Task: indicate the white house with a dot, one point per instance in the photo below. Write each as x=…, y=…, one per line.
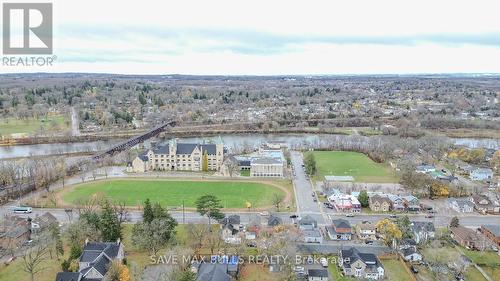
x=481, y=174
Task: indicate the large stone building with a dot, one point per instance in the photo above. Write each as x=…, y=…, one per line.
x=180, y=157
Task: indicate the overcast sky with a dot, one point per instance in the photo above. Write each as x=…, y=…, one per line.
x=275, y=37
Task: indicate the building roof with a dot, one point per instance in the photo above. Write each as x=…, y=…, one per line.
x=370, y=260
x=341, y=223
x=465, y=233
x=232, y=219
x=312, y=233
x=339, y=178
x=409, y=251
x=308, y=220
x=317, y=273
x=212, y=272
x=422, y=226
x=493, y=228
x=274, y=221
x=265, y=161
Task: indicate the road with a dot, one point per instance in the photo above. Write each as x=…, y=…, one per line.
x=304, y=190
x=75, y=128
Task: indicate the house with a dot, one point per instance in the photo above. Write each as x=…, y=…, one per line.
x=211, y=271
x=274, y=221
x=342, y=202
x=410, y=254
x=339, y=230
x=95, y=260
x=460, y=205
x=317, y=275
x=266, y=167
x=366, y=231
x=43, y=222
x=423, y=231
x=14, y=232
x=360, y=265
x=312, y=236
x=180, y=157
x=481, y=174
x=254, y=224
x=397, y=203
x=492, y=232
x=424, y=169
x=411, y=203
x=307, y=223
x=230, y=227
x=139, y=164
x=407, y=243
x=468, y=238
x=379, y=203
x=484, y=205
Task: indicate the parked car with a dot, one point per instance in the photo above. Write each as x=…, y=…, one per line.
x=264, y=213
x=369, y=242
x=294, y=216
x=349, y=215
x=429, y=216
x=393, y=216
x=414, y=269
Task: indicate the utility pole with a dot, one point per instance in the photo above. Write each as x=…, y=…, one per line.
x=183, y=215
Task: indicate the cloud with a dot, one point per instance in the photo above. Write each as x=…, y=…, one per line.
x=85, y=43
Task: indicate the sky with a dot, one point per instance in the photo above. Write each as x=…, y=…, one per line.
x=274, y=37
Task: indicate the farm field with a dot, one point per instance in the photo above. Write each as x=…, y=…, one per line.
x=10, y=126
x=233, y=194
x=357, y=165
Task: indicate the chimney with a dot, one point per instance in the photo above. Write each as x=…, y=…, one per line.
x=86, y=241
x=118, y=241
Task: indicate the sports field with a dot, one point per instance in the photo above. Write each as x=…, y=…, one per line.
x=357, y=165
x=233, y=194
x=10, y=126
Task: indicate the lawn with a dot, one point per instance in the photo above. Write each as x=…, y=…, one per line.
x=357, y=165
x=233, y=194
x=394, y=270
x=15, y=270
x=336, y=273
x=473, y=274
x=245, y=173
x=10, y=126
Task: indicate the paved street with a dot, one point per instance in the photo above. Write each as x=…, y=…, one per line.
x=304, y=190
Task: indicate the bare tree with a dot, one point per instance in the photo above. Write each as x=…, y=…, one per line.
x=33, y=259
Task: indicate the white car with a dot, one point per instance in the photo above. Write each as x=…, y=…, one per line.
x=349, y=215
x=324, y=262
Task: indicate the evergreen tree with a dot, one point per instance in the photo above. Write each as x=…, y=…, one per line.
x=363, y=198
x=147, y=215
x=454, y=222
x=109, y=225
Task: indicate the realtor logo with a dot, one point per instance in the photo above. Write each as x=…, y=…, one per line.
x=27, y=28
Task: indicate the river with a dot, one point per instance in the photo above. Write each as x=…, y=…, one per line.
x=231, y=141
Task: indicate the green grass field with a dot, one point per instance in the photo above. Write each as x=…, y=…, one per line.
x=394, y=270
x=358, y=165
x=10, y=126
x=172, y=193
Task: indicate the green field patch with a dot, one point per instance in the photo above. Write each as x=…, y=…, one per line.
x=233, y=194
x=394, y=270
x=10, y=126
x=355, y=164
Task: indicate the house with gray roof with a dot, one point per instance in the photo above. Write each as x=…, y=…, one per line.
x=95, y=260
x=423, y=231
x=307, y=223
x=266, y=167
x=460, y=205
x=360, y=265
x=481, y=174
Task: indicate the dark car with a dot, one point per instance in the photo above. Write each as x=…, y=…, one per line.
x=414, y=269
x=294, y=216
x=369, y=242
